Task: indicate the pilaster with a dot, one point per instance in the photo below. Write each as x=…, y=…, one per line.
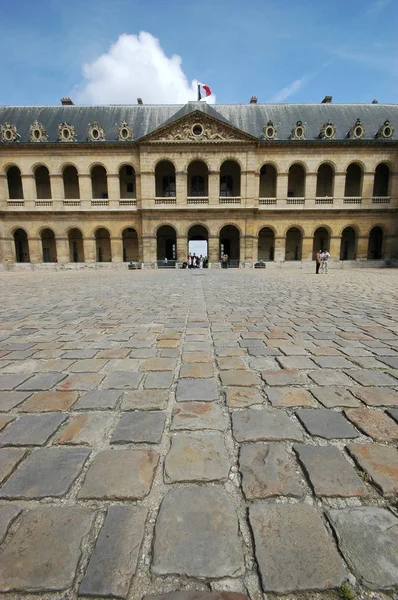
x=214, y=187
x=86, y=192
x=117, y=249
x=214, y=250
x=367, y=188
x=148, y=249
x=35, y=250
x=182, y=248
x=307, y=247
x=310, y=189
x=62, y=250
x=339, y=186
x=113, y=189
x=362, y=246
x=90, y=255
x=335, y=246
x=281, y=186
x=57, y=186
x=4, y=195
x=7, y=245
x=280, y=249
x=181, y=188
x=29, y=187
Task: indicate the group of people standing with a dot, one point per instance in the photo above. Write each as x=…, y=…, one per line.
x=322, y=257
x=195, y=262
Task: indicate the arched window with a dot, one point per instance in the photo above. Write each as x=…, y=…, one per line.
x=103, y=245
x=381, y=181
x=71, y=183
x=325, y=181
x=165, y=177
x=230, y=244
x=197, y=179
x=296, y=182
x=268, y=181
x=14, y=181
x=76, y=249
x=130, y=244
x=43, y=185
x=127, y=182
x=230, y=179
x=353, y=181
x=348, y=248
x=99, y=182
x=166, y=241
x=49, y=249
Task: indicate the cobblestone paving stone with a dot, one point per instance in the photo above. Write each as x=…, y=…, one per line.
x=184, y=431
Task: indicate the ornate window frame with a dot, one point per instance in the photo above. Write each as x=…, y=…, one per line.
x=357, y=131
x=386, y=131
x=299, y=131
x=37, y=132
x=95, y=132
x=328, y=131
x=197, y=130
x=9, y=133
x=125, y=132
x=66, y=133
x=270, y=131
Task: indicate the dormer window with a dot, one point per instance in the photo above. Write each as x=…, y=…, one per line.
x=270, y=131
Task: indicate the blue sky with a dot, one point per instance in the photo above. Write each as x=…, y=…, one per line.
x=279, y=50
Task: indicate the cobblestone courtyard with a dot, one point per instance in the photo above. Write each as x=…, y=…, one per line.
x=210, y=430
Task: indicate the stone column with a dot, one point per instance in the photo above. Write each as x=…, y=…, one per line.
x=149, y=250
x=249, y=190
x=281, y=187
x=138, y=191
x=310, y=189
x=335, y=245
x=214, y=251
x=29, y=188
x=3, y=190
x=306, y=248
x=181, y=188
x=62, y=246
x=140, y=250
x=182, y=248
x=148, y=189
x=116, y=249
x=35, y=250
x=90, y=253
x=362, y=247
x=113, y=189
x=339, y=187
x=367, y=188
x=280, y=249
x=214, y=187
x=57, y=187
x=86, y=192
x=246, y=250
x=255, y=248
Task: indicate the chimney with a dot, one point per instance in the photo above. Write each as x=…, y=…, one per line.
x=66, y=102
x=253, y=100
x=327, y=100
x=375, y=101
x=139, y=101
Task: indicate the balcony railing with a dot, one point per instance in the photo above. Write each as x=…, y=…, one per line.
x=297, y=200
x=100, y=202
x=166, y=200
x=128, y=202
x=381, y=200
x=15, y=202
x=353, y=200
x=197, y=200
x=324, y=200
x=43, y=203
x=266, y=201
x=230, y=200
x=69, y=202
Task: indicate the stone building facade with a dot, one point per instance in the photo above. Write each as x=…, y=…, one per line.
x=85, y=184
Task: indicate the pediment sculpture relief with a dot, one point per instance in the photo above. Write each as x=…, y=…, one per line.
x=197, y=130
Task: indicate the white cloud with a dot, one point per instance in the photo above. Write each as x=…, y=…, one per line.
x=287, y=91
x=136, y=66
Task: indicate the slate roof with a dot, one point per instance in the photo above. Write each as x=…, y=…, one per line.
x=250, y=118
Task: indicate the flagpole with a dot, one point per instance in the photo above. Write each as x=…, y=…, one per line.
x=199, y=92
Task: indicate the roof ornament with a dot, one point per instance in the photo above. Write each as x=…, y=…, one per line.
x=9, y=133
x=37, y=132
x=386, y=131
x=357, y=131
x=298, y=131
x=328, y=131
x=95, y=132
x=66, y=133
x=270, y=131
x=125, y=132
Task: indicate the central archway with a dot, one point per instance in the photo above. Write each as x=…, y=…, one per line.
x=103, y=245
x=21, y=246
x=375, y=246
x=48, y=244
x=348, y=247
x=130, y=244
x=230, y=244
x=294, y=241
x=76, y=249
x=166, y=246
x=198, y=240
x=266, y=244
x=321, y=241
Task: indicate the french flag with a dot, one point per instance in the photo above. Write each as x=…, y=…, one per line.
x=203, y=90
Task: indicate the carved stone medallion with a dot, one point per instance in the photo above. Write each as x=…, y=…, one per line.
x=37, y=132
x=9, y=133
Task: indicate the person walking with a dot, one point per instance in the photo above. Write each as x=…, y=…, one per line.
x=318, y=260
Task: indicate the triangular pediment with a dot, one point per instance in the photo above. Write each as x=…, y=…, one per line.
x=197, y=127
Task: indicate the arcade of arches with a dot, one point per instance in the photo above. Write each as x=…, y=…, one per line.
x=168, y=242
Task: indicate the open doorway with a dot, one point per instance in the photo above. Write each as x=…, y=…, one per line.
x=198, y=245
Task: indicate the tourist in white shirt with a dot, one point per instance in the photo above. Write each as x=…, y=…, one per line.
x=324, y=261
